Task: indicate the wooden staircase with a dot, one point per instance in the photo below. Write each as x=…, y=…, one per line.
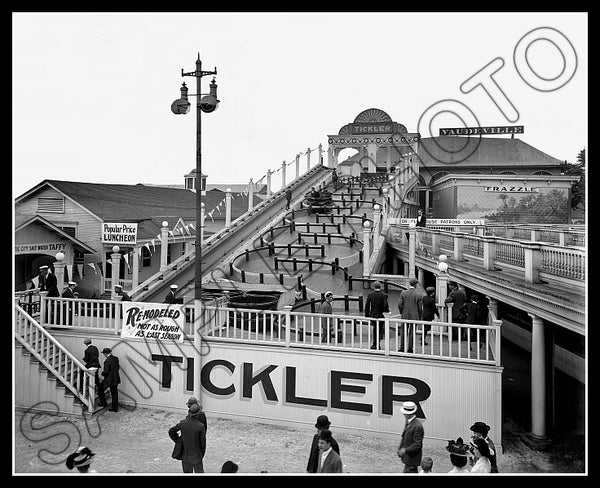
x=47, y=376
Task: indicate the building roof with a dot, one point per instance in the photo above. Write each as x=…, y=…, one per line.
x=236, y=188
x=39, y=220
x=485, y=151
x=146, y=205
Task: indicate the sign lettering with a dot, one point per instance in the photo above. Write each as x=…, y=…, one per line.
x=163, y=322
x=43, y=247
x=119, y=233
x=474, y=131
x=338, y=382
x=406, y=221
x=512, y=189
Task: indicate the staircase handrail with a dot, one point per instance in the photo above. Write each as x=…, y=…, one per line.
x=88, y=399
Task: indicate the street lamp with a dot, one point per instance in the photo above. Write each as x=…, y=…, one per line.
x=204, y=103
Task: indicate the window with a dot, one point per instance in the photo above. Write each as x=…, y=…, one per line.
x=51, y=205
x=146, y=258
x=78, y=258
x=190, y=183
x=72, y=231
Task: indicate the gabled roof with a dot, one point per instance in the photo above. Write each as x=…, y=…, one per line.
x=126, y=203
x=39, y=220
x=485, y=151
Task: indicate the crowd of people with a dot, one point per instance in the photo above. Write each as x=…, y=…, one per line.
x=324, y=456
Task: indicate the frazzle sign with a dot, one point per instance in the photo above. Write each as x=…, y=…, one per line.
x=161, y=322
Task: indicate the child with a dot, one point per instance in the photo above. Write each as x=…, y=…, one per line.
x=426, y=465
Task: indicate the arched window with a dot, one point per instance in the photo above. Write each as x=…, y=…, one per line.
x=545, y=173
x=508, y=173
x=474, y=173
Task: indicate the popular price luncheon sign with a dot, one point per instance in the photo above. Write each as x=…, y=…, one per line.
x=161, y=322
x=119, y=233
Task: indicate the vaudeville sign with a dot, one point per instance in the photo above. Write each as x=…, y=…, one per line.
x=156, y=321
x=119, y=233
x=481, y=131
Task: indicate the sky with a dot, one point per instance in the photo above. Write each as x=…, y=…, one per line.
x=91, y=92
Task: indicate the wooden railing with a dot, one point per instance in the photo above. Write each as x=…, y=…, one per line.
x=534, y=259
x=56, y=358
x=299, y=329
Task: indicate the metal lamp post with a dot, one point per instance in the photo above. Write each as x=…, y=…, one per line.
x=204, y=103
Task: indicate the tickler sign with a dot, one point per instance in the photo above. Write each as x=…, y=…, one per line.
x=161, y=322
x=252, y=375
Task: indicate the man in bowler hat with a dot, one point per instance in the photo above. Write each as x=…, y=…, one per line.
x=201, y=416
x=410, y=450
x=111, y=379
x=480, y=431
x=329, y=460
x=193, y=436
x=313, y=460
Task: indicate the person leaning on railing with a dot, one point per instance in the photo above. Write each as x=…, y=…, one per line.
x=328, y=328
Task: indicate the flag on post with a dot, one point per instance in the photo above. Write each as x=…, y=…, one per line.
x=93, y=267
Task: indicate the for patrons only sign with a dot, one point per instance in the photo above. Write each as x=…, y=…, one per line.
x=161, y=322
x=119, y=233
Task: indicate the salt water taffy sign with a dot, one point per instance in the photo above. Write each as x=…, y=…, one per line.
x=162, y=322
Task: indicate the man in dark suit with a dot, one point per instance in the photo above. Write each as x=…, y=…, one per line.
x=421, y=219
x=111, y=379
x=171, y=298
x=48, y=282
x=193, y=436
x=90, y=359
x=410, y=450
x=69, y=307
x=201, y=416
x=410, y=306
x=313, y=459
x=457, y=298
x=375, y=306
x=329, y=460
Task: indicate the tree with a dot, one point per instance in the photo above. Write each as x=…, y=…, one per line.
x=578, y=188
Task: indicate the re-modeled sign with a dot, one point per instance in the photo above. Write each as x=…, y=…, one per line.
x=119, y=233
x=161, y=322
x=446, y=221
x=479, y=131
x=512, y=189
x=42, y=247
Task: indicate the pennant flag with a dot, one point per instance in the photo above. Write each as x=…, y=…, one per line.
x=218, y=210
x=69, y=276
x=153, y=246
x=211, y=217
x=36, y=281
x=192, y=226
x=147, y=246
x=126, y=258
x=80, y=270
x=101, y=270
x=93, y=267
x=108, y=262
